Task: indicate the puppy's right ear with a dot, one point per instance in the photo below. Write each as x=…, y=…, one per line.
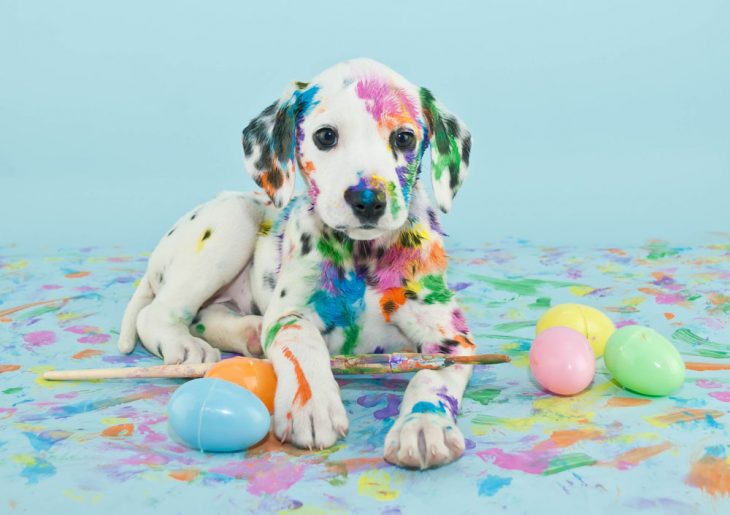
x=270, y=142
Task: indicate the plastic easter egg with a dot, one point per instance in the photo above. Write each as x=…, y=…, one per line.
x=588, y=321
x=644, y=361
x=562, y=361
x=255, y=375
x=217, y=416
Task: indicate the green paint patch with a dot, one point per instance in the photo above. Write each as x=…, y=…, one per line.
x=514, y=326
x=660, y=250
x=352, y=333
x=37, y=312
x=199, y=328
x=540, y=303
x=483, y=396
x=440, y=293
x=10, y=391
x=567, y=462
x=278, y=326
x=486, y=420
x=703, y=347
x=523, y=287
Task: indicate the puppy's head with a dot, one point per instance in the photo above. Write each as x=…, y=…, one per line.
x=358, y=133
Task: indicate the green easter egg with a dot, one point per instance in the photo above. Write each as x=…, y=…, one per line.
x=644, y=361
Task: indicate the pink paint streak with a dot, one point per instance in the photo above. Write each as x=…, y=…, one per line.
x=704, y=383
x=268, y=475
x=392, y=266
x=532, y=463
x=82, y=329
x=721, y=396
x=388, y=104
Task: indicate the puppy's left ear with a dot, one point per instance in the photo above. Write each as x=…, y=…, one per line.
x=270, y=142
x=450, y=148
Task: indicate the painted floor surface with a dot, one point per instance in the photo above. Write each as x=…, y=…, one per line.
x=103, y=447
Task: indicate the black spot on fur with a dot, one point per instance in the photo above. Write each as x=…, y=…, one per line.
x=306, y=240
x=380, y=253
x=283, y=293
x=410, y=294
x=160, y=278
x=207, y=234
x=270, y=280
x=328, y=330
x=171, y=231
x=255, y=310
x=193, y=217
x=466, y=149
x=389, y=307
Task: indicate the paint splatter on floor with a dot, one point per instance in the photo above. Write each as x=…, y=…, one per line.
x=104, y=446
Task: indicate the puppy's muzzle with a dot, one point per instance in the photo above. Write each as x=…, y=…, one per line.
x=368, y=204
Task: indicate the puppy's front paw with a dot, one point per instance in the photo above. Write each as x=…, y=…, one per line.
x=309, y=414
x=423, y=440
x=186, y=350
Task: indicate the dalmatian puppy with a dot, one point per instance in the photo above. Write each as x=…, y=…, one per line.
x=355, y=264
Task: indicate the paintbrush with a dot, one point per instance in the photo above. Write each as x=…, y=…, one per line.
x=396, y=363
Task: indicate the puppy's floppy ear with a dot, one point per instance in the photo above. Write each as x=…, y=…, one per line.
x=270, y=142
x=450, y=148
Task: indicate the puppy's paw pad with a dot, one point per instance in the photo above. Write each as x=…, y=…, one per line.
x=423, y=440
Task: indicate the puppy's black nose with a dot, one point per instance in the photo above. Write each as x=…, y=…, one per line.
x=368, y=204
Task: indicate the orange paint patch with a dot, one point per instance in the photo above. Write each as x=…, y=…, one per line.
x=118, y=430
x=701, y=367
x=345, y=467
x=10, y=311
x=304, y=392
x=571, y=436
x=633, y=457
x=464, y=342
x=392, y=299
x=8, y=368
x=88, y=353
x=186, y=475
x=308, y=167
x=685, y=415
x=618, y=252
x=669, y=316
x=626, y=402
x=77, y=275
x=710, y=474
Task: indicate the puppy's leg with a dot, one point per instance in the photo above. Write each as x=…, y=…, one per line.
x=425, y=433
x=228, y=330
x=308, y=411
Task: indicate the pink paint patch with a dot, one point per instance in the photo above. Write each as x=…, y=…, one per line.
x=388, y=104
x=704, y=383
x=39, y=338
x=674, y=298
x=526, y=462
x=721, y=396
x=624, y=323
x=51, y=286
x=458, y=321
x=265, y=476
x=94, y=338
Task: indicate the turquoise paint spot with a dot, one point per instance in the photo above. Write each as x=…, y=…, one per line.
x=490, y=485
x=428, y=407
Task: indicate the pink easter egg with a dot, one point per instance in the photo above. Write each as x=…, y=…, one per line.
x=562, y=361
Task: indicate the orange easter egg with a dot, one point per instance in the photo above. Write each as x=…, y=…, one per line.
x=255, y=375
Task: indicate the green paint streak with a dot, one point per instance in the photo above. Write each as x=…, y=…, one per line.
x=509, y=337
x=10, y=391
x=200, y=328
x=37, y=312
x=274, y=330
x=440, y=293
x=334, y=250
x=394, y=207
x=567, y=462
x=444, y=147
x=707, y=348
x=483, y=396
x=486, y=420
x=540, y=303
x=352, y=333
x=521, y=286
x=513, y=326
x=661, y=250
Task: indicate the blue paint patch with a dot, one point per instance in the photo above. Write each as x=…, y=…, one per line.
x=490, y=485
x=716, y=451
x=341, y=304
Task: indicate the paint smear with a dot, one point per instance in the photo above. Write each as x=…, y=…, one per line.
x=35, y=468
x=686, y=415
x=186, y=475
x=86, y=354
x=703, y=367
x=626, y=402
x=9, y=368
x=490, y=485
x=710, y=474
x=39, y=339
x=377, y=485
x=632, y=458
x=721, y=396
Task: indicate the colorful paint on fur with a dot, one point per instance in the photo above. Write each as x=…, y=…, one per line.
x=285, y=323
x=390, y=106
x=304, y=392
x=203, y=238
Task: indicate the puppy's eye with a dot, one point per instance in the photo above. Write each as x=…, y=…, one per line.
x=325, y=138
x=404, y=139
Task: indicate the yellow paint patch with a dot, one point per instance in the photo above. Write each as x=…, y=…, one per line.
x=204, y=237
x=113, y=421
x=83, y=497
x=685, y=415
x=68, y=316
x=377, y=485
x=265, y=227
x=15, y=265
x=48, y=384
x=581, y=291
x=634, y=301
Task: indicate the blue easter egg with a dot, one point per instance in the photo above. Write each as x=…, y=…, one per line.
x=217, y=416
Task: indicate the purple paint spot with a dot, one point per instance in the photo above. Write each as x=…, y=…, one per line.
x=624, y=323
x=459, y=286
x=469, y=444
x=51, y=286
x=94, y=338
x=370, y=400
x=451, y=403
x=458, y=321
x=391, y=409
x=39, y=338
x=704, y=383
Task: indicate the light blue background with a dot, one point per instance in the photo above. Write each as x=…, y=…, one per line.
x=594, y=122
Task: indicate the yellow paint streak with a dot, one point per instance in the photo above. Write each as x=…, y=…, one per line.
x=83, y=497
x=581, y=291
x=376, y=484
x=685, y=415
